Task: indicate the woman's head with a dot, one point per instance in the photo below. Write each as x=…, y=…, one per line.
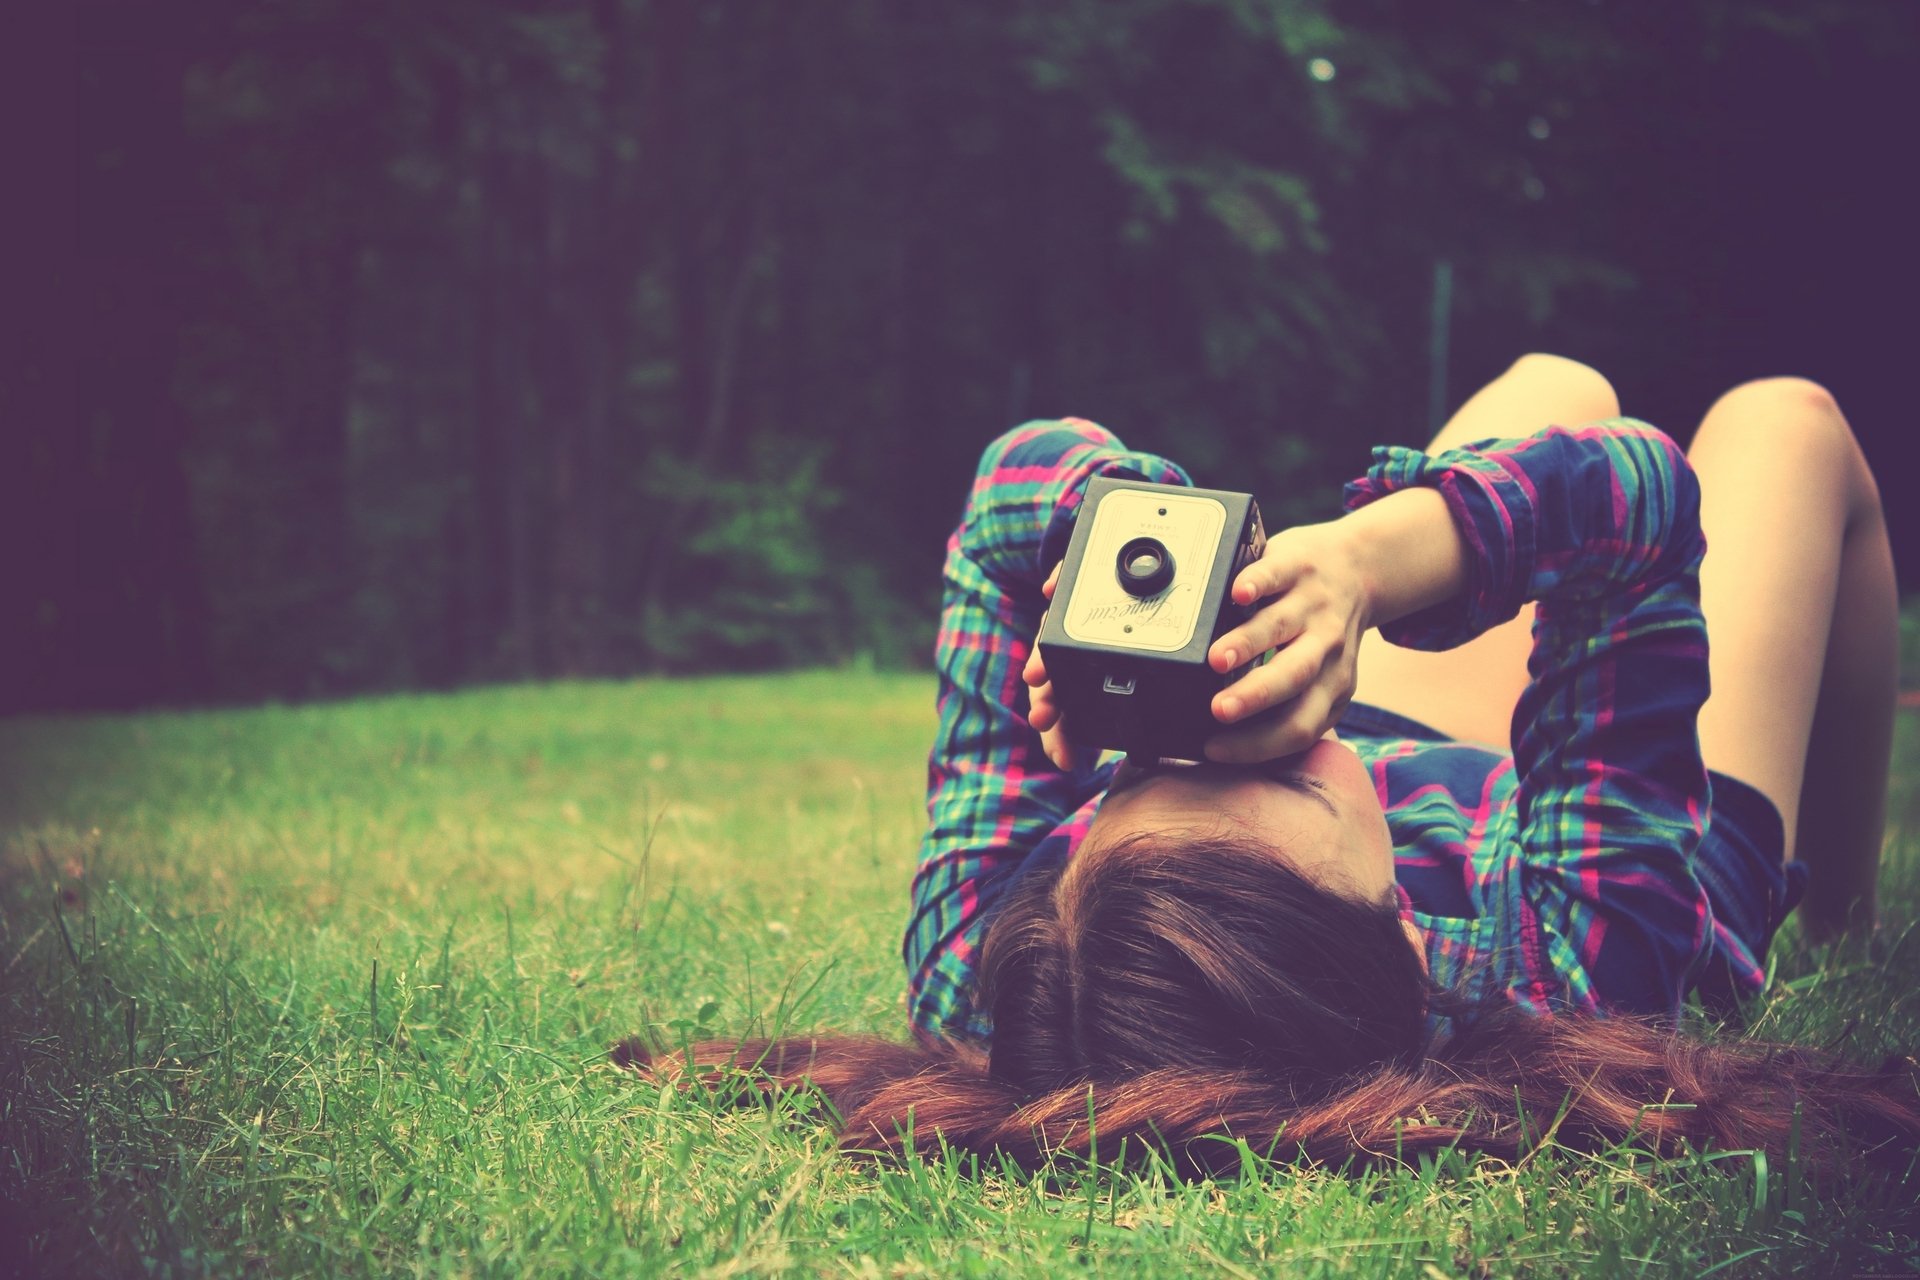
x=1317, y=811
x=1215, y=960
x=1199, y=950
x=1180, y=989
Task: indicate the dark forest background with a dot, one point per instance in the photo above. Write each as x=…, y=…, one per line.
x=376, y=345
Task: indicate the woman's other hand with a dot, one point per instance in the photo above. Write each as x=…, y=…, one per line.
x=1043, y=713
x=1313, y=581
x=1324, y=585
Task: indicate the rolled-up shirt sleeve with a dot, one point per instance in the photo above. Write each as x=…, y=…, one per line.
x=992, y=794
x=1600, y=526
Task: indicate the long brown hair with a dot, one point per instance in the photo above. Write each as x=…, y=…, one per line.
x=1161, y=995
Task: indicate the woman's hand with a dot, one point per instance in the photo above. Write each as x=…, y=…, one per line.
x=1323, y=586
x=1318, y=607
x=1043, y=713
x=1315, y=618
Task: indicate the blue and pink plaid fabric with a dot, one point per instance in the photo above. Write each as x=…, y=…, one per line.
x=1560, y=875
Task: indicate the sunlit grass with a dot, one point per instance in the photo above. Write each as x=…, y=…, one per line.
x=329, y=990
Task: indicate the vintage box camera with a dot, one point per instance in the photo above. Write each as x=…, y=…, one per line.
x=1145, y=589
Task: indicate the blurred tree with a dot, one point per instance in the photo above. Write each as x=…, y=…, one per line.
x=118, y=604
x=499, y=339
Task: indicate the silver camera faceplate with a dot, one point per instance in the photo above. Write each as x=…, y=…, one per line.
x=1102, y=611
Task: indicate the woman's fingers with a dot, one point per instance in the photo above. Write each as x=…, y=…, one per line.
x=1291, y=672
x=1292, y=731
x=1273, y=626
x=1273, y=573
x=1059, y=750
x=1270, y=574
x=1034, y=673
x=1282, y=707
x=1043, y=713
x=1290, y=580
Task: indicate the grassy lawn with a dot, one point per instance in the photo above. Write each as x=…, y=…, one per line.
x=328, y=990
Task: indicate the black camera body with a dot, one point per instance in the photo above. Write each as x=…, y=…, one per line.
x=1144, y=591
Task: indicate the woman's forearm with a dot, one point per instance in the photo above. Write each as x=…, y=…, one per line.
x=1311, y=595
x=1409, y=553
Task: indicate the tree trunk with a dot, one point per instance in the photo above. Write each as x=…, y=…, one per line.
x=673, y=161
x=502, y=543
x=598, y=282
x=129, y=625
x=317, y=371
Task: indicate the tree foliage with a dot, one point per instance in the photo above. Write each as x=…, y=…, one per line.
x=442, y=342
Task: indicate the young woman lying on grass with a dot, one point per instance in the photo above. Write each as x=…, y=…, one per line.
x=1475, y=912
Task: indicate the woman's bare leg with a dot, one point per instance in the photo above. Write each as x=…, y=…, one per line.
x=1803, y=631
x=1469, y=692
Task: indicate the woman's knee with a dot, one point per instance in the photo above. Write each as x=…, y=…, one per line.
x=1573, y=382
x=1795, y=421
x=1777, y=406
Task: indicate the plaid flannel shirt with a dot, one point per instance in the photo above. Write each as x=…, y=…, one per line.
x=1559, y=875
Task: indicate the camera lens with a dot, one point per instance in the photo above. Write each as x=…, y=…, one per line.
x=1145, y=567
